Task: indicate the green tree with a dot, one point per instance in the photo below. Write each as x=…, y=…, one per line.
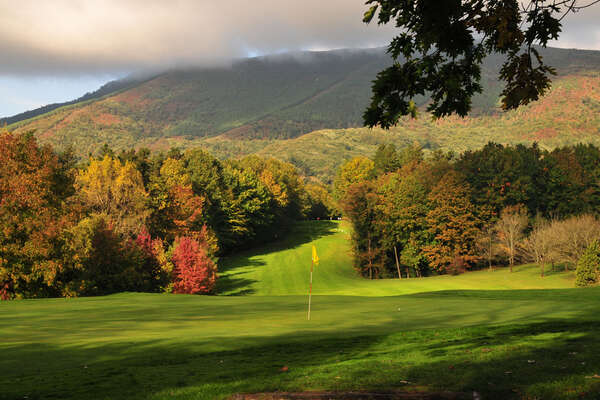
x=402, y=208
x=353, y=171
x=588, y=266
x=360, y=207
x=502, y=176
x=442, y=45
x=320, y=202
x=386, y=159
x=249, y=207
x=412, y=257
x=283, y=181
x=208, y=181
x=410, y=154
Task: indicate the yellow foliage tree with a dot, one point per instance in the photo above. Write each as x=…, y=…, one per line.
x=114, y=190
x=354, y=171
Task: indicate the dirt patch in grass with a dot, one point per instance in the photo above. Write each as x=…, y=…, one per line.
x=355, y=396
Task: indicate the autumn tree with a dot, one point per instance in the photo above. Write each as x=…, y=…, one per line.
x=116, y=191
x=194, y=272
x=353, y=171
x=34, y=186
x=453, y=225
x=100, y=262
x=141, y=159
x=152, y=261
x=510, y=226
x=441, y=46
x=175, y=209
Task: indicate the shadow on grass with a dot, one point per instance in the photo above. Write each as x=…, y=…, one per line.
x=234, y=268
x=550, y=360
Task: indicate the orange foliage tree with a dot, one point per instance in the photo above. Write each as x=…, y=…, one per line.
x=33, y=187
x=453, y=225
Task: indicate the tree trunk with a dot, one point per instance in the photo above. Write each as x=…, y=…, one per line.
x=490, y=252
x=407, y=272
x=542, y=269
x=370, y=261
x=397, y=263
x=511, y=257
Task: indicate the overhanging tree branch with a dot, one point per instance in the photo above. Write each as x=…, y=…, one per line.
x=442, y=45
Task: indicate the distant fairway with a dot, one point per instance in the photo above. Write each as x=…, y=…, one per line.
x=283, y=269
x=467, y=333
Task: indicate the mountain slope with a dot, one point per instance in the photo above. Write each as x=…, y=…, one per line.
x=273, y=97
x=106, y=89
x=272, y=104
x=568, y=114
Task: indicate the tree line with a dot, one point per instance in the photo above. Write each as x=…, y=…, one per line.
x=446, y=213
x=137, y=220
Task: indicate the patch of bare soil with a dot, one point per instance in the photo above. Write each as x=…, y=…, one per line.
x=355, y=396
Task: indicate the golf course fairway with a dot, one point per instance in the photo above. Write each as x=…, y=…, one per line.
x=503, y=335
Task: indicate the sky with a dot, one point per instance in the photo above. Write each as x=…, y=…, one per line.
x=53, y=51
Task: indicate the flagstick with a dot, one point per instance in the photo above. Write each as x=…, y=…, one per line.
x=310, y=287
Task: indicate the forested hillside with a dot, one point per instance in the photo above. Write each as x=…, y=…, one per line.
x=307, y=109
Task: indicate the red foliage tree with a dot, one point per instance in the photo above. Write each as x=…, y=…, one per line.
x=145, y=243
x=194, y=271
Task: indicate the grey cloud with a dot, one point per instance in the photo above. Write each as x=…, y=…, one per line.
x=96, y=36
x=67, y=36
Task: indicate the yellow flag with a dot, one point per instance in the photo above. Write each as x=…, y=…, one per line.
x=315, y=257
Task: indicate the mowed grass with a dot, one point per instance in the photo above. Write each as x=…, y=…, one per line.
x=283, y=268
x=473, y=332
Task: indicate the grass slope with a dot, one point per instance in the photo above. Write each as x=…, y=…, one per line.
x=283, y=269
x=504, y=344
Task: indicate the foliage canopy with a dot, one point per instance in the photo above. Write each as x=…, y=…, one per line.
x=442, y=45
